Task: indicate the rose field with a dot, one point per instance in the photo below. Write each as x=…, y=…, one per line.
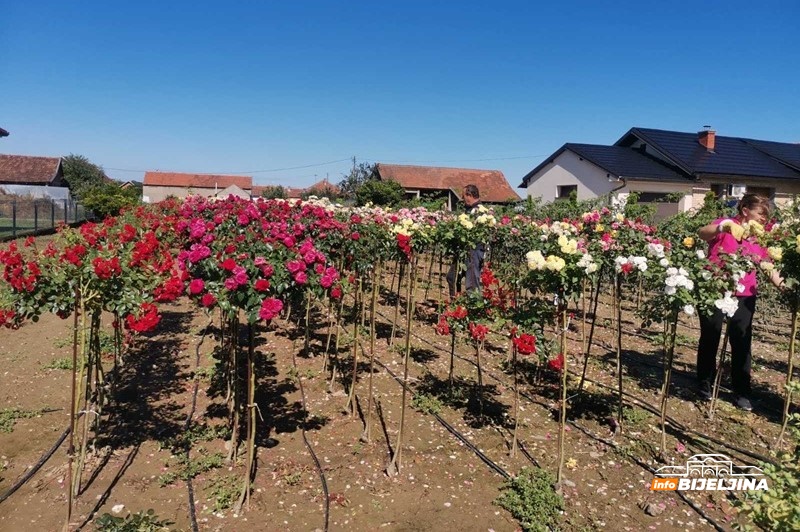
x=291, y=365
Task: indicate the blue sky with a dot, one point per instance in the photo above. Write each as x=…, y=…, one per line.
x=238, y=87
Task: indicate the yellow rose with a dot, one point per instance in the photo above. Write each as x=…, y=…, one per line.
x=555, y=264
x=754, y=228
x=599, y=228
x=688, y=242
x=766, y=266
x=569, y=247
x=775, y=253
x=620, y=217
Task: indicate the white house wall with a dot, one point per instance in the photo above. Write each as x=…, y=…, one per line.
x=569, y=169
x=592, y=181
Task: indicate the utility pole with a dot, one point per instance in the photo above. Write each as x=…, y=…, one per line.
x=354, y=165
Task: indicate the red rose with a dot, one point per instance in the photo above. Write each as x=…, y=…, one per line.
x=208, y=300
x=270, y=308
x=196, y=286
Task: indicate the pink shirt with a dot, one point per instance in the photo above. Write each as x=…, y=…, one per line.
x=746, y=248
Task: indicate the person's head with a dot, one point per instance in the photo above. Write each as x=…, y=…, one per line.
x=471, y=195
x=754, y=207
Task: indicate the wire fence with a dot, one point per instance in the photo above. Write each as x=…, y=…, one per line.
x=21, y=216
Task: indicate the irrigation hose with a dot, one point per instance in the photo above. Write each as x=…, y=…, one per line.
x=32, y=471
x=645, y=466
x=452, y=430
x=639, y=401
x=320, y=471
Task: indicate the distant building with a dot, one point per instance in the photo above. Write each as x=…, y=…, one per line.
x=32, y=176
x=448, y=183
x=160, y=185
x=672, y=169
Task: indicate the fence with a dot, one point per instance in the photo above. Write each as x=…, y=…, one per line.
x=25, y=216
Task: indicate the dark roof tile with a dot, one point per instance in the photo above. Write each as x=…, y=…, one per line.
x=731, y=155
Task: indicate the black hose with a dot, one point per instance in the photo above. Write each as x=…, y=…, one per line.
x=645, y=466
x=452, y=430
x=680, y=427
x=32, y=471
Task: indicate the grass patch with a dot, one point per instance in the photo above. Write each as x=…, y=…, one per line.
x=427, y=404
x=190, y=468
x=634, y=416
x=59, y=363
x=197, y=433
x=138, y=522
x=531, y=498
x=223, y=492
x=9, y=417
x=106, y=341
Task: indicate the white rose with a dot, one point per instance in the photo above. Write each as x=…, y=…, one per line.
x=688, y=309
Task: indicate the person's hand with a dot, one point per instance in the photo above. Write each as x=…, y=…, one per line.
x=732, y=228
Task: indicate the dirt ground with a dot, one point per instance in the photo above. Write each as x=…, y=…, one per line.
x=443, y=484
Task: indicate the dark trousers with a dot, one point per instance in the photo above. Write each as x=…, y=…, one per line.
x=474, y=265
x=740, y=334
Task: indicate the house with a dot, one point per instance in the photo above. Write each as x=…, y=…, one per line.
x=233, y=190
x=672, y=169
x=289, y=192
x=161, y=185
x=37, y=177
x=322, y=188
x=448, y=183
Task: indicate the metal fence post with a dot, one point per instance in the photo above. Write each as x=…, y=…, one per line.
x=52, y=214
x=14, y=218
x=66, y=219
x=35, y=216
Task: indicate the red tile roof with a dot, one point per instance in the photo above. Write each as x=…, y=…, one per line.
x=175, y=179
x=492, y=184
x=28, y=170
x=323, y=185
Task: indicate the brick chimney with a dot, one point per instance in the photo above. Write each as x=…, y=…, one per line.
x=707, y=138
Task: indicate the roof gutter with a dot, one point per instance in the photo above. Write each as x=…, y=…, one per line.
x=624, y=183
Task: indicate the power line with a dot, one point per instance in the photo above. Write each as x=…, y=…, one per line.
x=470, y=160
x=241, y=172
x=429, y=161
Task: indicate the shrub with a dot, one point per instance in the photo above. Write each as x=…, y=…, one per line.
x=138, y=522
x=778, y=508
x=531, y=498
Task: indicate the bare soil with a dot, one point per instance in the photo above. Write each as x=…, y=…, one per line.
x=442, y=484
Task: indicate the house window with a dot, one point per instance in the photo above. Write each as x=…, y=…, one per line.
x=655, y=197
x=767, y=192
x=565, y=190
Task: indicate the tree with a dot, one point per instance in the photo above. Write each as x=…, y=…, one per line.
x=108, y=198
x=358, y=176
x=379, y=192
x=81, y=174
x=277, y=192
